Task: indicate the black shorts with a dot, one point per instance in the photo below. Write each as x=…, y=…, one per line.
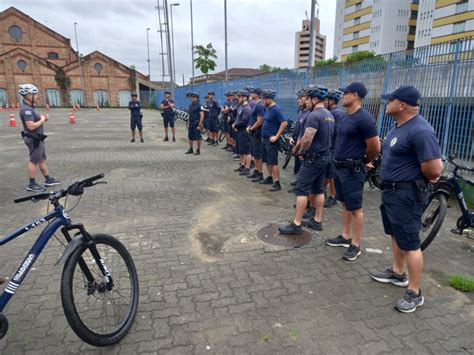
x=206, y=122
x=243, y=142
x=136, y=122
x=270, y=151
x=227, y=127
x=213, y=124
x=168, y=121
x=401, y=217
x=194, y=133
x=330, y=170
x=310, y=176
x=257, y=145
x=349, y=185
x=38, y=153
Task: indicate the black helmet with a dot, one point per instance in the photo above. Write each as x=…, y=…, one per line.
x=318, y=91
x=242, y=93
x=167, y=92
x=211, y=92
x=248, y=88
x=269, y=94
x=194, y=94
x=335, y=95
x=301, y=92
x=228, y=93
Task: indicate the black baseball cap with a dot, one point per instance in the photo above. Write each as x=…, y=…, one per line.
x=356, y=87
x=257, y=91
x=405, y=93
x=134, y=94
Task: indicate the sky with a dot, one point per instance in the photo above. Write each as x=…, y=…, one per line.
x=259, y=32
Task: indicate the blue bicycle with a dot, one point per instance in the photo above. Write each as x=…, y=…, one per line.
x=99, y=283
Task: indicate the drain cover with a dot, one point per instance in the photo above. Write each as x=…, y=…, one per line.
x=271, y=235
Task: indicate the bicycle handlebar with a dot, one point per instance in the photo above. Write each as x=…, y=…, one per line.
x=75, y=188
x=451, y=158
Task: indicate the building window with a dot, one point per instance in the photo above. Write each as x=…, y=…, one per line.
x=356, y=35
x=98, y=67
x=459, y=27
x=461, y=7
x=357, y=21
x=355, y=48
x=53, y=55
x=15, y=33
x=22, y=65
x=358, y=6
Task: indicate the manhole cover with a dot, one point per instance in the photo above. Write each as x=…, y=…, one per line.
x=271, y=235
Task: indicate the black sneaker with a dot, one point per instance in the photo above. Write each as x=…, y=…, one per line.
x=410, y=302
x=132, y=140
x=166, y=139
x=293, y=183
x=52, y=182
x=211, y=142
x=339, y=241
x=267, y=181
x=236, y=157
x=207, y=140
x=253, y=175
x=174, y=139
x=291, y=228
x=35, y=187
x=312, y=224
x=141, y=140
x=245, y=172
x=225, y=147
x=197, y=152
x=275, y=187
x=291, y=191
x=330, y=202
x=389, y=276
x=352, y=253
x=309, y=213
x=259, y=178
x=189, y=151
x=239, y=169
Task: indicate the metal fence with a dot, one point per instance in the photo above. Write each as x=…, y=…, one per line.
x=443, y=73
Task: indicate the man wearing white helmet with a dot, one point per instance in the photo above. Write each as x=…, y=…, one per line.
x=33, y=136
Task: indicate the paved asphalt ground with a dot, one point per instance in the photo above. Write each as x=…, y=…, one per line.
x=207, y=284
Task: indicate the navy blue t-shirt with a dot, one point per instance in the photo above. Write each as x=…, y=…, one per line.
x=234, y=108
x=257, y=111
x=300, y=121
x=252, y=104
x=194, y=111
x=338, y=114
x=227, y=104
x=134, y=107
x=168, y=110
x=243, y=116
x=321, y=120
x=271, y=121
x=405, y=147
x=352, y=131
x=214, y=108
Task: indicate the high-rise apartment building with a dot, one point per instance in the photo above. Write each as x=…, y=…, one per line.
x=381, y=26
x=302, y=44
x=444, y=20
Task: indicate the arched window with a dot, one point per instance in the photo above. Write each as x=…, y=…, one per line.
x=76, y=96
x=101, y=98
x=98, y=67
x=53, y=55
x=124, y=98
x=15, y=33
x=21, y=64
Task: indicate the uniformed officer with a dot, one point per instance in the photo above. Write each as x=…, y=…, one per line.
x=233, y=114
x=33, y=137
x=168, y=106
x=255, y=133
x=357, y=144
x=251, y=101
x=411, y=158
x=206, y=118
x=196, y=120
x=313, y=149
x=274, y=124
x=333, y=101
x=214, y=110
x=226, y=121
x=240, y=126
x=135, y=117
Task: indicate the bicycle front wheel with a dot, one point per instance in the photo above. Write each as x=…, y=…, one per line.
x=432, y=218
x=288, y=156
x=100, y=311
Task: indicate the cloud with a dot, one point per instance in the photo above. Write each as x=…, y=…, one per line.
x=259, y=32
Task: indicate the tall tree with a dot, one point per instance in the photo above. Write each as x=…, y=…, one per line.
x=205, y=58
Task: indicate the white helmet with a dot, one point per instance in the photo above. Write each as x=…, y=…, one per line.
x=26, y=89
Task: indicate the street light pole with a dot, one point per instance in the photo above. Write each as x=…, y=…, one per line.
x=80, y=67
x=168, y=46
x=148, y=60
x=225, y=31
x=172, y=38
x=311, y=38
x=192, y=42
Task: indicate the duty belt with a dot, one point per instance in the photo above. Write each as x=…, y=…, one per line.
x=312, y=156
x=348, y=163
x=398, y=185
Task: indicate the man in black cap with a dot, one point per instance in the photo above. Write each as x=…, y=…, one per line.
x=411, y=157
x=240, y=126
x=135, y=117
x=357, y=144
x=213, y=124
x=255, y=133
x=226, y=121
x=167, y=105
x=196, y=119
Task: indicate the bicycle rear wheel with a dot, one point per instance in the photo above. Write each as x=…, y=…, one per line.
x=432, y=218
x=287, y=160
x=101, y=313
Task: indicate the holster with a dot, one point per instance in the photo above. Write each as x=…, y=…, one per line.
x=420, y=189
x=36, y=137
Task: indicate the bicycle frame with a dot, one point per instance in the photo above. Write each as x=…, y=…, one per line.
x=60, y=218
x=453, y=183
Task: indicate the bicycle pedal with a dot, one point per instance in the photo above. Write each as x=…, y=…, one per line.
x=3, y=325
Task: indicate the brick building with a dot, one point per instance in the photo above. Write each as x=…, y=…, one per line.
x=33, y=53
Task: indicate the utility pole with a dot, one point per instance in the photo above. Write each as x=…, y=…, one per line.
x=225, y=31
x=161, y=43
x=311, y=37
x=149, y=72
x=192, y=42
x=168, y=46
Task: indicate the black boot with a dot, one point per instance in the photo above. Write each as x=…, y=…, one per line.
x=189, y=151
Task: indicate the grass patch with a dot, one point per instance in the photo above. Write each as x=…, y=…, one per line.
x=462, y=283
